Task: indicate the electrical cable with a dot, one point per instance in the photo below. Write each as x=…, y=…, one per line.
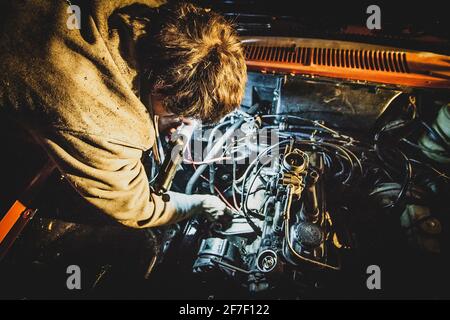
x=215, y=149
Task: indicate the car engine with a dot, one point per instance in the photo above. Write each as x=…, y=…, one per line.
x=322, y=180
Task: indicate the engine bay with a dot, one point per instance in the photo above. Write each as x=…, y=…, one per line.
x=325, y=181
x=334, y=189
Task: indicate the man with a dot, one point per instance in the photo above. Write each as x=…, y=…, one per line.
x=77, y=91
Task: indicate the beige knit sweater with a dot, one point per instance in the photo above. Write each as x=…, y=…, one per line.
x=74, y=89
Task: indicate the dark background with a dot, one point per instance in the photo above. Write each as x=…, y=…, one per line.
x=420, y=25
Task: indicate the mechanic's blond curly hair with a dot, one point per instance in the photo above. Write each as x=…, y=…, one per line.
x=195, y=62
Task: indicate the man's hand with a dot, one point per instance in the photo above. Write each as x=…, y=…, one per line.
x=215, y=209
x=190, y=205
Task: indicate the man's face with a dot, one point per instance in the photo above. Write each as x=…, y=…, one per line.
x=158, y=107
x=168, y=122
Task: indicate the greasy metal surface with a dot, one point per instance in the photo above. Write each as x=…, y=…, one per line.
x=48, y=246
x=341, y=105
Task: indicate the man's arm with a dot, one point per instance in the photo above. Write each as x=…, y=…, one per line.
x=111, y=177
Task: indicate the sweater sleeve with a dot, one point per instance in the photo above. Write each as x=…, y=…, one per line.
x=110, y=176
